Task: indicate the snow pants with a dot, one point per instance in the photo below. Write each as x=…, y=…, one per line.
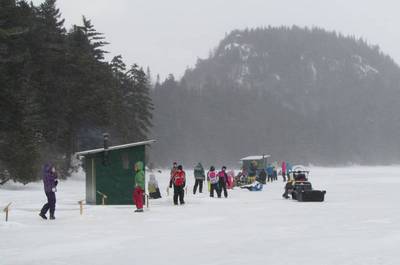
x=198, y=183
x=214, y=186
x=179, y=193
x=270, y=178
x=138, y=197
x=51, y=204
x=222, y=186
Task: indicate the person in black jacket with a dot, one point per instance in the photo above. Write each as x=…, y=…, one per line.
x=262, y=176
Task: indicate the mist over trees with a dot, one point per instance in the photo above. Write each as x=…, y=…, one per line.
x=305, y=95
x=58, y=93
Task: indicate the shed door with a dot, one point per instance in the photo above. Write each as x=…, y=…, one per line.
x=91, y=181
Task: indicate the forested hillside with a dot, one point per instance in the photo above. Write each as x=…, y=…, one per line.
x=306, y=95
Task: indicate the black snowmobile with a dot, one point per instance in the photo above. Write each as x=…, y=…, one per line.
x=301, y=189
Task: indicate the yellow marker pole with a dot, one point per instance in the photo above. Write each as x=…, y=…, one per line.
x=6, y=209
x=81, y=206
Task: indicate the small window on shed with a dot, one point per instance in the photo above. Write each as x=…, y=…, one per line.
x=125, y=160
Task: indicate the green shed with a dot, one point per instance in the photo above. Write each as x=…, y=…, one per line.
x=262, y=161
x=109, y=171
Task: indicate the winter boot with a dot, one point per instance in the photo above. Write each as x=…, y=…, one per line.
x=139, y=210
x=43, y=216
x=52, y=217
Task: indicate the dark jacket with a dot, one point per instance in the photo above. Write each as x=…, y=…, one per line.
x=252, y=170
x=49, y=179
x=223, y=177
x=199, y=172
x=262, y=176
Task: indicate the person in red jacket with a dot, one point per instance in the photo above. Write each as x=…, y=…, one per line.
x=179, y=181
x=284, y=171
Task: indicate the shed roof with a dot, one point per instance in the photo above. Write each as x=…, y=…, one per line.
x=116, y=147
x=256, y=157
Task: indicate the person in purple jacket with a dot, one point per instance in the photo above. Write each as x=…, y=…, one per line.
x=223, y=180
x=50, y=183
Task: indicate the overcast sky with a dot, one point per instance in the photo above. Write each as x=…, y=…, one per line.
x=169, y=35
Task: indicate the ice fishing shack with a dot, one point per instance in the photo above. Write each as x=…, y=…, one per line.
x=109, y=171
x=261, y=160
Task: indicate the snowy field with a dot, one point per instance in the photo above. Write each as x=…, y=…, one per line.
x=359, y=223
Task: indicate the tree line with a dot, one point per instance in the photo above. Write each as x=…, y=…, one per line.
x=58, y=93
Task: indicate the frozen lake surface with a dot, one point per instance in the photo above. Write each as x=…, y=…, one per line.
x=359, y=223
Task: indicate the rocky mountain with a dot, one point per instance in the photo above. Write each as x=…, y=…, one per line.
x=306, y=95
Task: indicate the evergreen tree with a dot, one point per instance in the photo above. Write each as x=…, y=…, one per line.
x=58, y=93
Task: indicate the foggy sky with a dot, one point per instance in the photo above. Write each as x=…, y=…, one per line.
x=169, y=35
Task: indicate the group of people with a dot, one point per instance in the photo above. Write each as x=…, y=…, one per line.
x=217, y=182
x=262, y=175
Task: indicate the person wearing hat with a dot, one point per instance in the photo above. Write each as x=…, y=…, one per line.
x=179, y=182
x=212, y=178
x=139, y=186
x=222, y=181
x=50, y=183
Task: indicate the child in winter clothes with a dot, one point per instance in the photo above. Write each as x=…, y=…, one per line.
x=50, y=183
x=154, y=191
x=139, y=186
x=179, y=181
x=223, y=179
x=212, y=178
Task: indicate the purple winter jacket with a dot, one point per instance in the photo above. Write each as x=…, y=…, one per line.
x=223, y=176
x=49, y=179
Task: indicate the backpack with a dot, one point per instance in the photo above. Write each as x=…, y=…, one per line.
x=179, y=179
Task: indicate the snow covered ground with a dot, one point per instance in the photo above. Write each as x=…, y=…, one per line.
x=359, y=223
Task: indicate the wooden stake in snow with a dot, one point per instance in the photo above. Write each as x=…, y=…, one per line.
x=185, y=190
x=167, y=191
x=147, y=200
x=103, y=198
x=6, y=209
x=81, y=206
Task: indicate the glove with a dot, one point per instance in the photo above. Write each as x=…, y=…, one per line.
x=56, y=183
